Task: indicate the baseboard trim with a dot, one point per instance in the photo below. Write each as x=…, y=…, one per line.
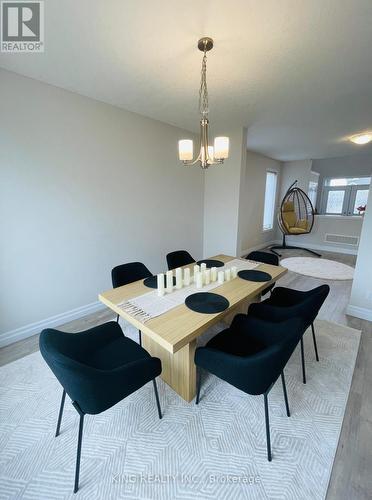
x=23, y=332
x=258, y=247
x=324, y=248
x=359, y=312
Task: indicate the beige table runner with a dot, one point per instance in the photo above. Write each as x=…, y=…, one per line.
x=150, y=305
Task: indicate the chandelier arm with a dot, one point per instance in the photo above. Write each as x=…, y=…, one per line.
x=205, y=155
x=209, y=159
x=192, y=162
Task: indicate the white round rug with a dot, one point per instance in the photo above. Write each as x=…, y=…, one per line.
x=319, y=268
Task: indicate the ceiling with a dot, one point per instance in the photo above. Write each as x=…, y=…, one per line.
x=296, y=73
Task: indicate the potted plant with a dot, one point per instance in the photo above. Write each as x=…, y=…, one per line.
x=361, y=209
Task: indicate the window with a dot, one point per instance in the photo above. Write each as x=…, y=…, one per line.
x=270, y=197
x=335, y=202
x=343, y=196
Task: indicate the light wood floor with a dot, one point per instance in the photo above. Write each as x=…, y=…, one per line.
x=352, y=470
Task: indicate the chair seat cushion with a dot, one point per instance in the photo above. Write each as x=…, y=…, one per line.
x=236, y=343
x=116, y=353
x=297, y=230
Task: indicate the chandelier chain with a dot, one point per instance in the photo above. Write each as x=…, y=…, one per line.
x=203, y=91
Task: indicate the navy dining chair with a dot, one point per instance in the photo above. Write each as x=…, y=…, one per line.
x=97, y=368
x=179, y=258
x=251, y=356
x=265, y=258
x=285, y=303
x=128, y=273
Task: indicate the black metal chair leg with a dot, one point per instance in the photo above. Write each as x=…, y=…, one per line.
x=157, y=398
x=285, y=395
x=314, y=340
x=78, y=455
x=267, y=422
x=117, y=318
x=198, y=385
x=303, y=361
x=60, y=412
x=140, y=337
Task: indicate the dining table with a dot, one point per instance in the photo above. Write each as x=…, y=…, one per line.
x=172, y=336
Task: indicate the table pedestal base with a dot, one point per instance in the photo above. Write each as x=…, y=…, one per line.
x=178, y=369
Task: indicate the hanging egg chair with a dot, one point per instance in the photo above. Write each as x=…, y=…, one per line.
x=295, y=217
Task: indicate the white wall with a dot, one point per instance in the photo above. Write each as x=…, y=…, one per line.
x=361, y=293
x=222, y=197
x=295, y=170
x=253, y=200
x=84, y=186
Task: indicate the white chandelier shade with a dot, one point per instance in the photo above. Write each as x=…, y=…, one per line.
x=207, y=154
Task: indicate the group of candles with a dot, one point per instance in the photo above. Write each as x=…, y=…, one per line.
x=202, y=276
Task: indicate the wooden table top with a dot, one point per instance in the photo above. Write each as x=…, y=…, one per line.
x=179, y=326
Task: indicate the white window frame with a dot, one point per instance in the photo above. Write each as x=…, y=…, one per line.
x=272, y=208
x=313, y=188
x=349, y=197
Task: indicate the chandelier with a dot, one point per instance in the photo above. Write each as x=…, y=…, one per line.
x=208, y=155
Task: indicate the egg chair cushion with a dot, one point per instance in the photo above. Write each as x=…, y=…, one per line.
x=289, y=219
x=297, y=230
x=302, y=224
x=288, y=206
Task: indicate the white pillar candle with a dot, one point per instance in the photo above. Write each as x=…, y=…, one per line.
x=169, y=281
x=221, y=277
x=214, y=274
x=203, y=267
x=207, y=276
x=199, y=280
x=227, y=274
x=234, y=272
x=161, y=288
x=187, y=277
x=196, y=270
x=179, y=278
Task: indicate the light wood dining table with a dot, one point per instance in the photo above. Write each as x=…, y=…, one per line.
x=172, y=336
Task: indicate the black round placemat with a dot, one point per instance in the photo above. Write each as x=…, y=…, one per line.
x=252, y=275
x=207, y=303
x=152, y=281
x=211, y=263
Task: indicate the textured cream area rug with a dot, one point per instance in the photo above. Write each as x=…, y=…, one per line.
x=214, y=450
x=319, y=268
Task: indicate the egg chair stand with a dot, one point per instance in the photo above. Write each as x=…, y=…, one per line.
x=295, y=217
x=284, y=246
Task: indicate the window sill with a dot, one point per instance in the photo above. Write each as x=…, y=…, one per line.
x=343, y=217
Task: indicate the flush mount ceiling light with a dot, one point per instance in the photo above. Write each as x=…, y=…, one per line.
x=362, y=138
x=208, y=155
